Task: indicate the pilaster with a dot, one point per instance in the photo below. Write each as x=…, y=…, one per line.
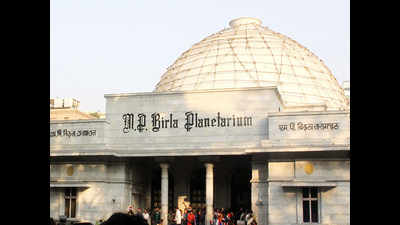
x=259, y=191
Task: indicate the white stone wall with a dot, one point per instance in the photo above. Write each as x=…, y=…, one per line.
x=329, y=170
x=77, y=136
x=88, y=172
x=56, y=202
x=253, y=103
x=335, y=204
x=101, y=200
x=108, y=191
x=285, y=203
x=282, y=205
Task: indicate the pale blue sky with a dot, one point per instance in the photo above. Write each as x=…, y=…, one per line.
x=107, y=47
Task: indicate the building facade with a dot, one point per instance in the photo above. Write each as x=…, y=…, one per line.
x=246, y=118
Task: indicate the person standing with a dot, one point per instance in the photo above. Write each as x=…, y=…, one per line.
x=178, y=216
x=130, y=210
x=156, y=217
x=203, y=217
x=146, y=216
x=170, y=218
x=216, y=216
x=198, y=216
x=242, y=218
x=184, y=217
x=191, y=219
x=248, y=216
x=238, y=215
x=229, y=217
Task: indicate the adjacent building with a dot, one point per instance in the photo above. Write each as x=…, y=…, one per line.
x=245, y=118
x=68, y=109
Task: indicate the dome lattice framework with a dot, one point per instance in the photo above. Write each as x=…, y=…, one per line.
x=249, y=55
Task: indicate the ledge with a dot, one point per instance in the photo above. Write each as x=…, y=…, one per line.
x=191, y=91
x=280, y=145
x=308, y=184
x=79, y=121
x=300, y=149
x=307, y=113
x=64, y=185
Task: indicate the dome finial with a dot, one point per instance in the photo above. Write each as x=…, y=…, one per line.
x=244, y=20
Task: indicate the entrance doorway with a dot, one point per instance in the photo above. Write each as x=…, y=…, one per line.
x=198, y=188
x=231, y=184
x=241, y=187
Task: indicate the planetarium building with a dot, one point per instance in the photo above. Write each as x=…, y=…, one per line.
x=245, y=118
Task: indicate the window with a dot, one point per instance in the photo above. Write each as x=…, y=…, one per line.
x=310, y=205
x=70, y=202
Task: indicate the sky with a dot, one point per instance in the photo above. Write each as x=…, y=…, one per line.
x=100, y=47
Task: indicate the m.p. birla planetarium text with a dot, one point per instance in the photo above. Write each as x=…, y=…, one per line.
x=138, y=122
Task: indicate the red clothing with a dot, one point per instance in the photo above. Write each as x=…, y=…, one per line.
x=191, y=219
x=219, y=222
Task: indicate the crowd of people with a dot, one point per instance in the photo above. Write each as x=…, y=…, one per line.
x=228, y=217
x=190, y=216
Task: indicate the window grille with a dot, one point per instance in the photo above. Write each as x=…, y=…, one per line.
x=70, y=202
x=310, y=205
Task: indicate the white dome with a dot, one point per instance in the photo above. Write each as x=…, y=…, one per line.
x=249, y=55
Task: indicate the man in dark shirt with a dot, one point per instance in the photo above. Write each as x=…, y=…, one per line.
x=156, y=217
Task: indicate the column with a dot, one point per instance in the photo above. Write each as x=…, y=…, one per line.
x=259, y=191
x=209, y=192
x=164, y=192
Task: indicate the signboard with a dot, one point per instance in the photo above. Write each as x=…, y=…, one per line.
x=296, y=125
x=72, y=133
x=309, y=125
x=193, y=120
